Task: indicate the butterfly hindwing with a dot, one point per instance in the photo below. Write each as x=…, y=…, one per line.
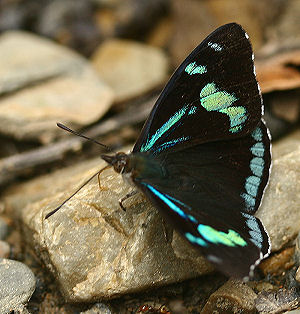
x=216, y=187
x=235, y=246
x=217, y=83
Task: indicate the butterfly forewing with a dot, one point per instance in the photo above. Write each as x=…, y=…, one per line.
x=205, y=153
x=213, y=95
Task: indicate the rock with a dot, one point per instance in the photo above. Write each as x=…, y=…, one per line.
x=277, y=301
x=93, y=248
x=4, y=249
x=287, y=145
x=280, y=207
x=279, y=263
x=17, y=284
x=130, y=68
x=43, y=84
x=233, y=297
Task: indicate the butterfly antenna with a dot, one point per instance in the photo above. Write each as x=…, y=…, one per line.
x=62, y=126
x=65, y=201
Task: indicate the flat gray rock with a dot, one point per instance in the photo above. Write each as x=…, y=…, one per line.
x=17, y=284
x=42, y=83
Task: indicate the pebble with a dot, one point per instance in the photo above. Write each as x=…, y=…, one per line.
x=130, y=68
x=98, y=308
x=17, y=284
x=277, y=301
x=233, y=297
x=278, y=263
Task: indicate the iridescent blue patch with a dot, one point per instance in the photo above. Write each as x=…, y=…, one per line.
x=193, y=68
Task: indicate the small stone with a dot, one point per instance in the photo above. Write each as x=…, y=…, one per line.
x=130, y=68
x=278, y=263
x=233, y=297
x=4, y=249
x=43, y=84
x=98, y=308
x=277, y=301
x=17, y=284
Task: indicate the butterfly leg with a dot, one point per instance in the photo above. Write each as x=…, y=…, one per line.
x=128, y=195
x=102, y=188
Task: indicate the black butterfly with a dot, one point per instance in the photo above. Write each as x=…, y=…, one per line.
x=203, y=156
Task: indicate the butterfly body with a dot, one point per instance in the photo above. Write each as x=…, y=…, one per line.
x=203, y=156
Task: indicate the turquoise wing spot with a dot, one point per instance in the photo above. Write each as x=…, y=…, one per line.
x=251, y=185
x=193, y=68
x=192, y=110
x=208, y=89
x=192, y=219
x=258, y=149
x=254, y=232
x=163, y=129
x=237, y=116
x=217, y=101
x=195, y=240
x=232, y=238
x=257, y=134
x=171, y=143
x=213, y=99
x=170, y=202
x=257, y=165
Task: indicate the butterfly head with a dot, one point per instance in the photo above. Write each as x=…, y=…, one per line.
x=119, y=161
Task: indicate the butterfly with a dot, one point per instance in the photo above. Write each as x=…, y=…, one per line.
x=203, y=156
